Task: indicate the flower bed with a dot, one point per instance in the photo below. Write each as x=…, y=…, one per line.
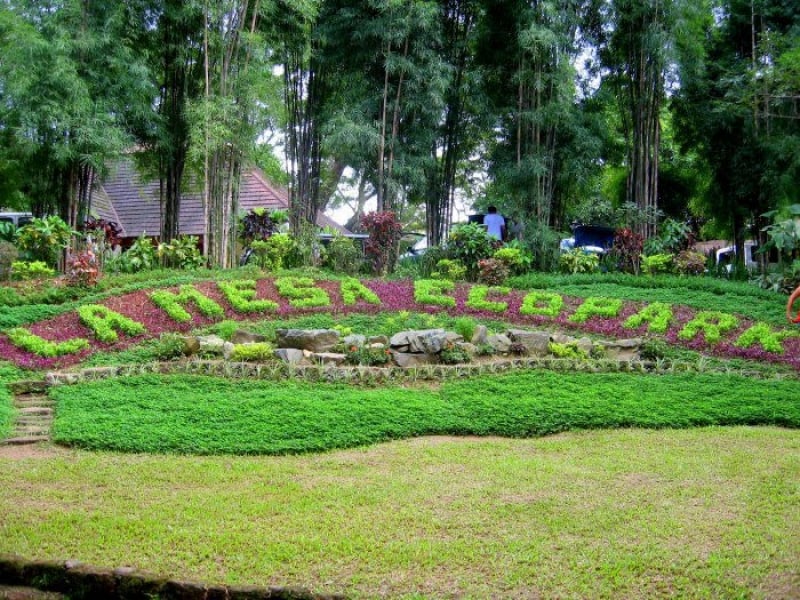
x=143, y=315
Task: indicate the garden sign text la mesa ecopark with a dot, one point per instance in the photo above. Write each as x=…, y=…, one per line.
x=120, y=321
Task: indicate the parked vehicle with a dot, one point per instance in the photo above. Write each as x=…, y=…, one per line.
x=18, y=219
x=595, y=239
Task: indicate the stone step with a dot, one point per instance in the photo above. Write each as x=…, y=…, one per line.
x=26, y=439
x=20, y=430
x=27, y=387
x=36, y=410
x=35, y=404
x=33, y=420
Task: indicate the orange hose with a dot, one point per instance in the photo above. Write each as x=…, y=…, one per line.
x=795, y=296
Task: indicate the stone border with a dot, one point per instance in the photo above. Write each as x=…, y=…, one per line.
x=83, y=582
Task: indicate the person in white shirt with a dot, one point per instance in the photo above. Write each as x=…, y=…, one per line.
x=495, y=224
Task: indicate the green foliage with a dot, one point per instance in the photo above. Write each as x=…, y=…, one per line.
x=568, y=350
x=104, y=322
x=713, y=324
x=22, y=338
x=673, y=237
x=595, y=306
x=201, y=415
x=24, y=271
x=433, y=291
x=653, y=349
x=478, y=294
x=578, y=261
x=453, y=354
x=469, y=243
x=514, y=257
x=169, y=346
x=368, y=356
x=343, y=256
x=542, y=303
x=657, y=263
x=255, y=352
x=765, y=336
x=272, y=252
x=465, y=327
x=141, y=256
x=183, y=252
x=352, y=289
x=657, y=315
x=172, y=304
x=302, y=292
x=44, y=239
x=449, y=269
x=8, y=256
x=8, y=232
x=241, y=295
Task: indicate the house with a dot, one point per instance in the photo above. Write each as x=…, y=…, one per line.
x=132, y=202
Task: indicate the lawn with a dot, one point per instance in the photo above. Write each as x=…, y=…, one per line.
x=630, y=513
x=521, y=485
x=202, y=415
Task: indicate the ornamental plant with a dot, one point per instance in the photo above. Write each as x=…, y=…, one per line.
x=627, y=250
x=657, y=264
x=469, y=243
x=82, y=269
x=453, y=354
x=568, y=350
x=516, y=259
x=478, y=295
x=301, y=292
x=368, y=356
x=183, y=252
x=242, y=293
x=255, y=352
x=449, y=269
x=548, y=304
x=713, y=324
x=44, y=239
x=657, y=315
x=104, y=322
x=763, y=335
x=577, y=261
x=433, y=291
x=596, y=306
x=384, y=229
x=172, y=304
x=352, y=289
x=24, y=271
x=492, y=271
x=22, y=338
x=689, y=262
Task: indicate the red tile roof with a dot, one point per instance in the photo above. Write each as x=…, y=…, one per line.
x=131, y=201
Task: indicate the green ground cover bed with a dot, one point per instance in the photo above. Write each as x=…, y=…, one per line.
x=201, y=415
x=631, y=513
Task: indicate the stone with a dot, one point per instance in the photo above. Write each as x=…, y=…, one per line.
x=536, y=342
x=240, y=336
x=211, y=344
x=480, y=335
x=328, y=358
x=354, y=340
x=428, y=341
x=560, y=338
x=378, y=339
x=100, y=372
x=292, y=356
x=585, y=344
x=227, y=350
x=315, y=340
x=191, y=345
x=407, y=359
x=623, y=349
x=467, y=347
x=500, y=342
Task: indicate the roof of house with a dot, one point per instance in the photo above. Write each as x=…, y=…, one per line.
x=132, y=202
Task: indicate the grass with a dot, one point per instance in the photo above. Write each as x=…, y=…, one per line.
x=201, y=415
x=696, y=513
x=8, y=374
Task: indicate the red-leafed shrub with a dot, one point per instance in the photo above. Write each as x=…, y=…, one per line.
x=384, y=231
x=627, y=250
x=82, y=269
x=492, y=271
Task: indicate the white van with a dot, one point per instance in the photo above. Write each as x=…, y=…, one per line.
x=18, y=219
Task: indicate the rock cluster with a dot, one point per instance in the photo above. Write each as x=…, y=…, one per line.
x=409, y=348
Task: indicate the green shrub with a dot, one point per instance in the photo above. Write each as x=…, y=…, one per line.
x=25, y=271
x=468, y=243
x=8, y=255
x=169, y=346
x=568, y=350
x=256, y=352
x=465, y=327
x=368, y=356
x=578, y=261
x=516, y=259
x=653, y=349
x=453, y=354
x=657, y=263
x=449, y=269
x=183, y=252
x=44, y=239
x=343, y=256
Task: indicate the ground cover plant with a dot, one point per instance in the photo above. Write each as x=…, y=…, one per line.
x=202, y=415
x=695, y=513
